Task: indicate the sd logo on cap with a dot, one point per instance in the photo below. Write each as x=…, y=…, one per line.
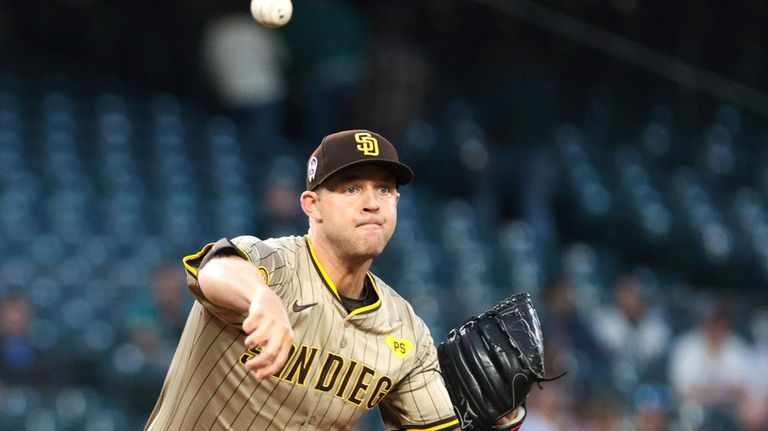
x=342, y=150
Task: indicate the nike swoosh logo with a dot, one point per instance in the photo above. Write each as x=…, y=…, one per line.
x=296, y=307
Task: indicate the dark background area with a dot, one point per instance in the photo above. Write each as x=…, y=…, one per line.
x=543, y=164
x=156, y=45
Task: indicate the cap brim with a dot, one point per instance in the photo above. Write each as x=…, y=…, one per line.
x=403, y=174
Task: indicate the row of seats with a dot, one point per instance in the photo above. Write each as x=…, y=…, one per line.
x=154, y=166
x=69, y=409
x=628, y=197
x=96, y=191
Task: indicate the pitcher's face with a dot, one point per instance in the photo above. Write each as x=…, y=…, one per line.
x=358, y=211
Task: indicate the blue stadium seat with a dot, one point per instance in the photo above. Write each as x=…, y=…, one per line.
x=16, y=404
x=41, y=419
x=583, y=177
x=94, y=191
x=644, y=201
x=523, y=264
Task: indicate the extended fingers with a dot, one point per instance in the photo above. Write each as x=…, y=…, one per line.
x=280, y=360
x=259, y=335
x=273, y=355
x=267, y=326
x=252, y=320
x=266, y=363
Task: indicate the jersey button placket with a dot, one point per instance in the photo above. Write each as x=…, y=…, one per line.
x=343, y=338
x=311, y=421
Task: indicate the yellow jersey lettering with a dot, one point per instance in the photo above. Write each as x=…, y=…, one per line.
x=329, y=374
x=379, y=391
x=345, y=380
x=361, y=385
x=253, y=351
x=298, y=372
x=351, y=380
x=249, y=354
x=287, y=361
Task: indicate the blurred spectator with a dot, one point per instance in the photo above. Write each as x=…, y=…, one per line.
x=636, y=335
x=651, y=418
x=549, y=410
x=397, y=74
x=710, y=369
x=599, y=413
x=753, y=412
x=21, y=361
x=327, y=40
x=564, y=327
x=245, y=63
x=139, y=365
x=653, y=405
x=168, y=303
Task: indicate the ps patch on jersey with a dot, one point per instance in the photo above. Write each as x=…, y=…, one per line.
x=399, y=346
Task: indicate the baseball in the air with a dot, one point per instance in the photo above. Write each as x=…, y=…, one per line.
x=272, y=13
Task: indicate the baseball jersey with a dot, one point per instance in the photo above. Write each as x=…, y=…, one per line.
x=341, y=365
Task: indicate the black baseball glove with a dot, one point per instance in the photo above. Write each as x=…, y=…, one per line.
x=490, y=363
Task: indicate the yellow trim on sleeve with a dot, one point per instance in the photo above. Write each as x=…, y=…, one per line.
x=448, y=425
x=247, y=255
x=187, y=259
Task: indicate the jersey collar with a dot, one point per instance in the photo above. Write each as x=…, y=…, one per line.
x=332, y=287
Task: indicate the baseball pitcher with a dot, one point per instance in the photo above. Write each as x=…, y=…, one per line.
x=295, y=333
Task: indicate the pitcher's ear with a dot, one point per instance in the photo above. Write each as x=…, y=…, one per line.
x=309, y=200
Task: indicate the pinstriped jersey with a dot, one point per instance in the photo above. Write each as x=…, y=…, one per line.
x=342, y=363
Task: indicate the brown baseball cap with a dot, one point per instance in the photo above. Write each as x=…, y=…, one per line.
x=342, y=150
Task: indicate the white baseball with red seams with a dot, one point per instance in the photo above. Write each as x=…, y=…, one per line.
x=272, y=13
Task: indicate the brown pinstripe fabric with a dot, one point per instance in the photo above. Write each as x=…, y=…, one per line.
x=342, y=364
